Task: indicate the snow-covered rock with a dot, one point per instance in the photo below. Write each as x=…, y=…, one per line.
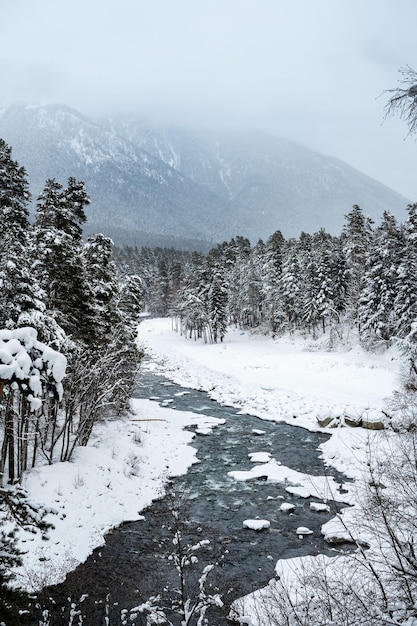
x=319, y=506
x=286, y=507
x=256, y=524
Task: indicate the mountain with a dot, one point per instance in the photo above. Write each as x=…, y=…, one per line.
x=169, y=186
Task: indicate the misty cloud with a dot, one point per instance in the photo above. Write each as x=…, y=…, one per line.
x=307, y=70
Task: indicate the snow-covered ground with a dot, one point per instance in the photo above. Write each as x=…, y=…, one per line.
x=124, y=467
x=127, y=461
x=292, y=379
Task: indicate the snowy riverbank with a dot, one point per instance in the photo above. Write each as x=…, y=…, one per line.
x=291, y=379
x=127, y=461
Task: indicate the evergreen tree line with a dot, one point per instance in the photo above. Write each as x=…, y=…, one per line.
x=67, y=291
x=365, y=279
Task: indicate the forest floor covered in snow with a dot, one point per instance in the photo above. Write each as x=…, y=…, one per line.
x=127, y=461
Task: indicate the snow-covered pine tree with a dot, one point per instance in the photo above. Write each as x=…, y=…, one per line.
x=251, y=295
x=59, y=268
x=291, y=301
x=159, y=295
x=191, y=307
x=356, y=240
x=19, y=290
x=339, y=277
x=405, y=304
x=217, y=304
x=50, y=203
x=237, y=254
x=380, y=286
x=76, y=199
x=318, y=292
x=101, y=289
x=130, y=298
x=272, y=274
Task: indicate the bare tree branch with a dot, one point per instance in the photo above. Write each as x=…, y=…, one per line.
x=403, y=99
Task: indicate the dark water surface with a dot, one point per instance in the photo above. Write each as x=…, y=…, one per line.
x=135, y=563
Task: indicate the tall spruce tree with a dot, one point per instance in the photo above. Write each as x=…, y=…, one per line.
x=19, y=291
x=101, y=289
x=217, y=304
x=380, y=284
x=357, y=235
x=318, y=291
x=291, y=293
x=130, y=299
x=58, y=236
x=272, y=274
x=238, y=255
x=405, y=304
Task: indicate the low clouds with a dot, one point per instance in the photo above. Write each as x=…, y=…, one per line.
x=308, y=70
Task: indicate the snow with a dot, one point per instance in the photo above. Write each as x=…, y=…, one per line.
x=127, y=462
x=256, y=524
x=304, y=485
x=259, y=457
x=288, y=379
x=109, y=482
x=287, y=507
x=319, y=507
x=17, y=362
x=303, y=530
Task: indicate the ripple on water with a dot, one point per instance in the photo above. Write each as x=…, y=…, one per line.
x=134, y=562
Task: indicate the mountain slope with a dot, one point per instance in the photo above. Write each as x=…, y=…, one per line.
x=274, y=183
x=131, y=191
x=168, y=186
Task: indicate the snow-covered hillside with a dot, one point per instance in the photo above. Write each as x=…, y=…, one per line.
x=172, y=186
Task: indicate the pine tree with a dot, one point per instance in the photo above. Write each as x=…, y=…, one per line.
x=272, y=274
x=101, y=289
x=58, y=236
x=318, y=291
x=291, y=300
x=357, y=235
x=159, y=300
x=130, y=298
x=193, y=306
x=217, y=305
x=19, y=291
x=380, y=288
x=239, y=276
x=405, y=304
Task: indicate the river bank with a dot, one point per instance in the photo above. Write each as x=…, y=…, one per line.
x=292, y=378
x=127, y=463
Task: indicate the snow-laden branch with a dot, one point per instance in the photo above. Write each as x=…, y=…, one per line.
x=30, y=365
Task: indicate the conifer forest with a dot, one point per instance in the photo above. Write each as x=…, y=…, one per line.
x=61, y=304
x=363, y=280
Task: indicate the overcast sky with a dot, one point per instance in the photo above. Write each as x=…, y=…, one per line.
x=309, y=70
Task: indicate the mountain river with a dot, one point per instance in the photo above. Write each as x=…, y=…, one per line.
x=136, y=561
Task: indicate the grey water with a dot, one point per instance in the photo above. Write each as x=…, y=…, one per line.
x=136, y=561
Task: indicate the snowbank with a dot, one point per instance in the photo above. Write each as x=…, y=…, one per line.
x=110, y=481
x=288, y=379
x=126, y=463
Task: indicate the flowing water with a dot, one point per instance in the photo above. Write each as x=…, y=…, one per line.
x=135, y=562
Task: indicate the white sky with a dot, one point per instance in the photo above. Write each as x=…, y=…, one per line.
x=308, y=70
